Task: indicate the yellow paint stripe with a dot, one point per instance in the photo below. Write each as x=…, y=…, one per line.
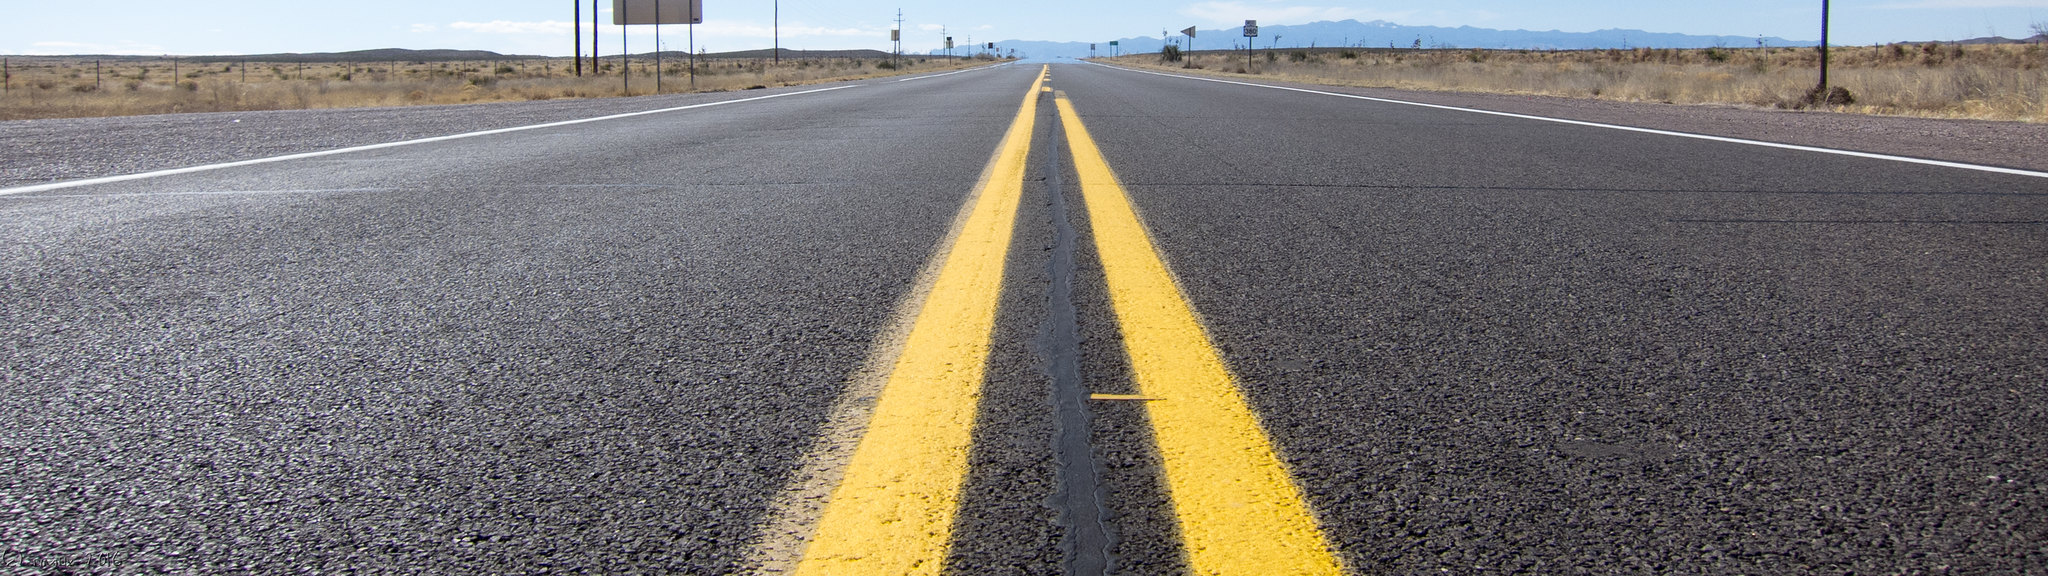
x=893, y=511
x=1240, y=512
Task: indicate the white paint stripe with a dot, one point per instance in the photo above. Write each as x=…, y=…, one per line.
x=302, y=156
x=1941, y=163
x=219, y=193
x=954, y=72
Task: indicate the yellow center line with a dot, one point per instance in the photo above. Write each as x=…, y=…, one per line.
x=1240, y=512
x=893, y=512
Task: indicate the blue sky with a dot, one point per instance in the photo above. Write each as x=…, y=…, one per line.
x=542, y=27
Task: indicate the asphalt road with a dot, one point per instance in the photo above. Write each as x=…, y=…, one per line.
x=1479, y=343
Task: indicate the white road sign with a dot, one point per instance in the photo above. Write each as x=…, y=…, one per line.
x=625, y=12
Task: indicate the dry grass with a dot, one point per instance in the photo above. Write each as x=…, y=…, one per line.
x=1995, y=82
x=57, y=87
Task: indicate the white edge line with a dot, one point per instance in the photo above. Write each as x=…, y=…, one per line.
x=304, y=155
x=944, y=74
x=955, y=72
x=1942, y=163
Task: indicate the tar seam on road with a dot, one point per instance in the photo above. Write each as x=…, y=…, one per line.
x=1087, y=539
x=1239, y=509
x=1851, y=153
x=302, y=156
x=893, y=511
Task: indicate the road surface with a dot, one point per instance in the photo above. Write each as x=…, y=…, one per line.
x=996, y=321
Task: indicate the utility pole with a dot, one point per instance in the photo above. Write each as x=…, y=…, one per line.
x=898, y=56
x=577, y=21
x=778, y=35
x=1823, y=51
x=594, y=70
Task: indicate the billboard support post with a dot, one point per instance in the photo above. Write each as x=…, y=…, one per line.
x=657, y=46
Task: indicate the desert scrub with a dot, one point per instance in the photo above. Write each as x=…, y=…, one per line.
x=1995, y=82
x=58, y=87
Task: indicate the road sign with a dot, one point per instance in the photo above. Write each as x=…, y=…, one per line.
x=1251, y=28
x=1112, y=42
x=895, y=35
x=630, y=12
x=949, y=42
x=1190, y=31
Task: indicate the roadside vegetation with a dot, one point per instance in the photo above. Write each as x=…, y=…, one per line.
x=69, y=87
x=1993, y=82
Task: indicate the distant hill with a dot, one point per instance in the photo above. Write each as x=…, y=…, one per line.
x=1381, y=34
x=2001, y=40
x=379, y=55
x=403, y=55
x=787, y=54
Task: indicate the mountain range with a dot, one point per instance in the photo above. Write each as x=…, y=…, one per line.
x=1382, y=34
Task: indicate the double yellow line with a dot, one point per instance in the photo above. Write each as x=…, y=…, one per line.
x=893, y=513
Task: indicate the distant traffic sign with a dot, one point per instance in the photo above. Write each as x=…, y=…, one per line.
x=1190, y=31
x=1251, y=28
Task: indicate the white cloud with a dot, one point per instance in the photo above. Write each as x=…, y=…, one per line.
x=1235, y=12
x=931, y=27
x=57, y=48
x=547, y=27
x=424, y=28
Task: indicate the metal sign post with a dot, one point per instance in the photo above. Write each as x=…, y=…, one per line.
x=650, y=12
x=657, y=46
x=625, y=65
x=1251, y=30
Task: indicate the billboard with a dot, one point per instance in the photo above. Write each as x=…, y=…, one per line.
x=625, y=12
